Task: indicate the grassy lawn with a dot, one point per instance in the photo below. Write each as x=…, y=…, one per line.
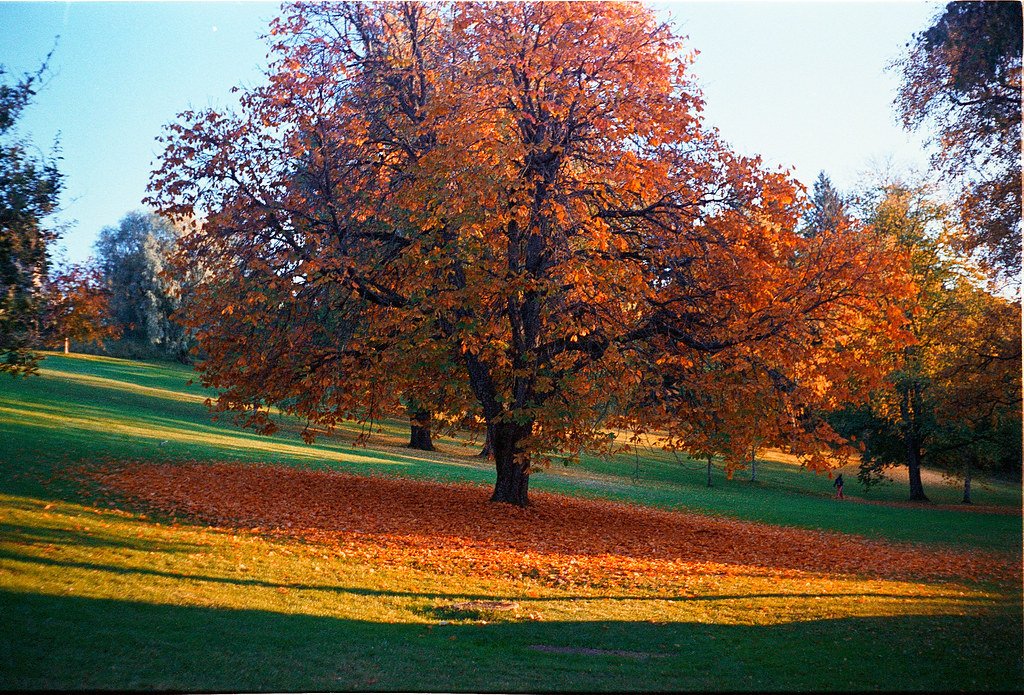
x=104, y=595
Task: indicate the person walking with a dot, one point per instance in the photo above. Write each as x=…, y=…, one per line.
x=839, y=486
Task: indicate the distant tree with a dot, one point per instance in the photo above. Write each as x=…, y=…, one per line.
x=77, y=308
x=977, y=386
x=909, y=217
x=487, y=451
x=878, y=438
x=29, y=190
x=132, y=258
x=420, y=429
x=828, y=209
x=954, y=393
x=962, y=76
x=434, y=402
x=965, y=416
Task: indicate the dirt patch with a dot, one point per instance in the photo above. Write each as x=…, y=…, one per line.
x=485, y=606
x=558, y=540
x=589, y=651
x=481, y=611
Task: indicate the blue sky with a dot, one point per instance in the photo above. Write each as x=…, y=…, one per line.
x=803, y=84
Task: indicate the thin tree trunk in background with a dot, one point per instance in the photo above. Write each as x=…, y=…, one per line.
x=67, y=346
x=967, y=480
x=488, y=450
x=753, y=463
x=419, y=431
x=910, y=407
x=709, y=472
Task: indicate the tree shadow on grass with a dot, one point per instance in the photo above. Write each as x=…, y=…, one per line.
x=61, y=642
x=58, y=563
x=21, y=535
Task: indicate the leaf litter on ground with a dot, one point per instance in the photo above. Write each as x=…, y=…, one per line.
x=557, y=540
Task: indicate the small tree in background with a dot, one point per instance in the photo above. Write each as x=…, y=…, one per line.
x=77, y=308
x=132, y=258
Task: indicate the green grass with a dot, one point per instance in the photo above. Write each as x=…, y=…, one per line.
x=89, y=408
x=111, y=598
x=789, y=495
x=145, y=647
x=98, y=598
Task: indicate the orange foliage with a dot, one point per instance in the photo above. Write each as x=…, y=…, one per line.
x=559, y=540
x=512, y=208
x=78, y=307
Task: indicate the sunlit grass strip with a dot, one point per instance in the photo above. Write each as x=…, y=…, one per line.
x=56, y=418
x=127, y=386
x=68, y=549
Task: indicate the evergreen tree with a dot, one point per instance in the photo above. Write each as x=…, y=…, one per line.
x=29, y=191
x=828, y=209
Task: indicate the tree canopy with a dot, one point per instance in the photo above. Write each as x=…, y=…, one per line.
x=77, y=307
x=962, y=76
x=132, y=258
x=515, y=208
x=952, y=398
x=29, y=191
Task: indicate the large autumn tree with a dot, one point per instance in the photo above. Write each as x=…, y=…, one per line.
x=512, y=208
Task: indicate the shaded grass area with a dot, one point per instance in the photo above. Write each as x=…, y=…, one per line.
x=147, y=646
x=86, y=408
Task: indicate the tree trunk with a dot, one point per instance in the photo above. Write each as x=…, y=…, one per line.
x=914, y=469
x=753, y=464
x=709, y=472
x=488, y=450
x=967, y=480
x=512, y=465
x=910, y=407
x=67, y=346
x=419, y=426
